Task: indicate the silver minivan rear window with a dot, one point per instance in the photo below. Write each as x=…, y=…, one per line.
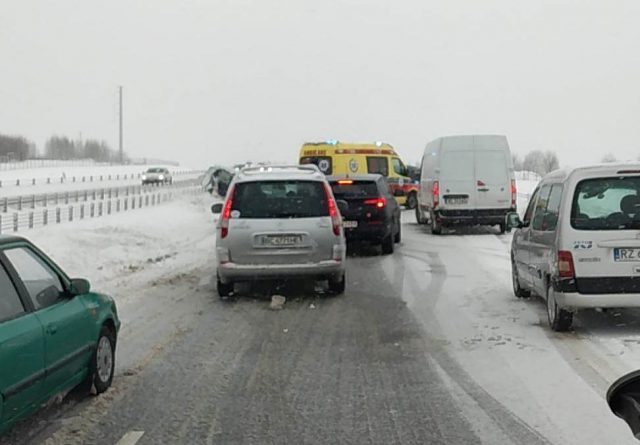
x=279, y=199
x=607, y=204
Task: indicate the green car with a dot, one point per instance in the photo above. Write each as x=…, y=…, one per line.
x=54, y=333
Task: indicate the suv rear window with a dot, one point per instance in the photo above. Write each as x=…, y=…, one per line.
x=607, y=204
x=355, y=190
x=279, y=199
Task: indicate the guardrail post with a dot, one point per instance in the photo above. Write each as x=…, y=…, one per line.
x=33, y=201
x=109, y=177
x=48, y=180
x=45, y=217
x=74, y=179
x=140, y=202
x=17, y=182
x=82, y=211
x=133, y=203
x=5, y=204
x=0, y=223
x=100, y=208
x=117, y=177
x=77, y=196
x=153, y=199
x=90, y=178
x=86, y=196
x=126, y=203
x=31, y=220
x=83, y=179
x=19, y=202
x=102, y=194
x=45, y=199
x=33, y=181
x=70, y=213
x=58, y=215
x=0, y=183
x=61, y=179
x=109, y=207
x=15, y=222
x=146, y=200
x=117, y=205
x=66, y=198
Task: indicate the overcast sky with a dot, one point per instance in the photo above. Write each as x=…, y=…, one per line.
x=224, y=81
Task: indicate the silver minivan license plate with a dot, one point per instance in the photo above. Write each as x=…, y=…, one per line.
x=621, y=254
x=280, y=240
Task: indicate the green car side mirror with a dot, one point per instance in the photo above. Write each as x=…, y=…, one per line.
x=79, y=286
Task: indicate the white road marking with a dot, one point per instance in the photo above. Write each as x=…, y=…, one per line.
x=131, y=438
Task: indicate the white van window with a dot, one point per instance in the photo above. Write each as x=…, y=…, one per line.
x=457, y=165
x=607, y=204
x=491, y=167
x=541, y=208
x=550, y=219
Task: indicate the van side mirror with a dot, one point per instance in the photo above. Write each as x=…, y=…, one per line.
x=79, y=286
x=513, y=221
x=343, y=205
x=623, y=397
x=216, y=209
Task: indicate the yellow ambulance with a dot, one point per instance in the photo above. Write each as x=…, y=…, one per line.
x=335, y=158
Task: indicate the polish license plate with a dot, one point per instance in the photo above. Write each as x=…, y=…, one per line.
x=626, y=254
x=349, y=224
x=280, y=240
x=457, y=201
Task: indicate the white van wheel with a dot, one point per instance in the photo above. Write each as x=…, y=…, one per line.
x=436, y=228
x=420, y=219
x=560, y=320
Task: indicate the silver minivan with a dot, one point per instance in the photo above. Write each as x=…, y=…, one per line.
x=578, y=243
x=280, y=222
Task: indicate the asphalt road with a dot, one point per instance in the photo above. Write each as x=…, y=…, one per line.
x=403, y=357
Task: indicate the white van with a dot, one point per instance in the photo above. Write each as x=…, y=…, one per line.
x=466, y=180
x=578, y=244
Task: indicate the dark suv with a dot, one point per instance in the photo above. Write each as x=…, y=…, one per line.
x=373, y=214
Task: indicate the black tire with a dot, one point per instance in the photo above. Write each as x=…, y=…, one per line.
x=518, y=291
x=103, y=363
x=560, y=320
x=338, y=287
x=224, y=289
x=412, y=201
x=419, y=218
x=436, y=228
x=398, y=236
x=388, y=244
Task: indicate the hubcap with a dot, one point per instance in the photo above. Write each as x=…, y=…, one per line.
x=104, y=358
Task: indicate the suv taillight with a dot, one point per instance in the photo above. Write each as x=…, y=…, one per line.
x=435, y=192
x=379, y=203
x=565, y=265
x=514, y=193
x=226, y=214
x=336, y=222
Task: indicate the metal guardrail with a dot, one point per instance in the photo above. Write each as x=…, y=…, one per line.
x=21, y=202
x=84, y=209
x=83, y=178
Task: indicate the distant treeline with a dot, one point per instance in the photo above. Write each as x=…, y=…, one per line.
x=18, y=148
x=541, y=162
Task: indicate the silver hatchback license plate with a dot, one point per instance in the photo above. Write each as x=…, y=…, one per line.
x=349, y=224
x=280, y=240
x=626, y=254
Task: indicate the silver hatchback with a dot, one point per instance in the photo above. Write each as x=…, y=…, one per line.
x=280, y=222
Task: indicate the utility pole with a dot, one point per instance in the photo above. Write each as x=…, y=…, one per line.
x=120, y=122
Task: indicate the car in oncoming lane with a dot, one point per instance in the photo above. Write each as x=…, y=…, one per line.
x=578, y=244
x=157, y=175
x=55, y=334
x=280, y=222
x=372, y=214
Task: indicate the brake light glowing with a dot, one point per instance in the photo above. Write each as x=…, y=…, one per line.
x=435, y=192
x=336, y=220
x=345, y=182
x=378, y=202
x=565, y=264
x=226, y=214
x=514, y=193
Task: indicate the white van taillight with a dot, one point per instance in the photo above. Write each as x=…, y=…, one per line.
x=226, y=214
x=435, y=191
x=336, y=221
x=514, y=193
x=565, y=264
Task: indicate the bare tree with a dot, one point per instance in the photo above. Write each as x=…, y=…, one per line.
x=550, y=162
x=517, y=161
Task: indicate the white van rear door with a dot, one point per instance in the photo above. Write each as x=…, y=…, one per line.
x=457, y=183
x=493, y=182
